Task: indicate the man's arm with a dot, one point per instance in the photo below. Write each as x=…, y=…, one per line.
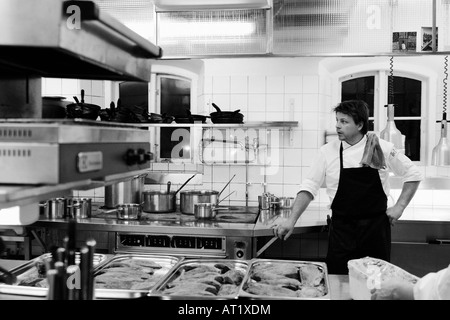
x=408, y=191
x=301, y=202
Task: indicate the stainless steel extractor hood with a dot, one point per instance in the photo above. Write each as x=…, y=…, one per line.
x=70, y=39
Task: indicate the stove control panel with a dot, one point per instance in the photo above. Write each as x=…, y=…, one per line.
x=171, y=243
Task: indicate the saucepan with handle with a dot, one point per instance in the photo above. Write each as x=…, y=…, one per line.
x=162, y=201
x=208, y=210
x=80, y=109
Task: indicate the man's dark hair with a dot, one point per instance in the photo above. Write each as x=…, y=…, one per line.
x=358, y=110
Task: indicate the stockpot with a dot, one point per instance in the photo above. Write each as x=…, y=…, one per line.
x=189, y=198
x=162, y=201
x=129, y=191
x=159, y=201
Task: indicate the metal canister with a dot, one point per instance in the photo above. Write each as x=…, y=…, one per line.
x=57, y=208
x=43, y=209
x=129, y=191
x=264, y=201
x=81, y=208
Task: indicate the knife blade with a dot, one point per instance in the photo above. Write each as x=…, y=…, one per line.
x=269, y=243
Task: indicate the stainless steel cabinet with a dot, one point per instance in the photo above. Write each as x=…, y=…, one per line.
x=421, y=247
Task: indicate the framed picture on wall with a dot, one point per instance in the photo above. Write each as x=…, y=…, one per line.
x=427, y=37
x=404, y=41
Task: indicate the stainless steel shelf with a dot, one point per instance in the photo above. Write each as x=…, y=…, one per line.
x=19, y=195
x=255, y=124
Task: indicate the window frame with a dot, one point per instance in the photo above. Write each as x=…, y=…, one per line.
x=171, y=72
x=381, y=72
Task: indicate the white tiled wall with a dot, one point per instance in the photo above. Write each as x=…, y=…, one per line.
x=287, y=92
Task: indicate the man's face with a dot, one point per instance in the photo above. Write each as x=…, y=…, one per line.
x=347, y=129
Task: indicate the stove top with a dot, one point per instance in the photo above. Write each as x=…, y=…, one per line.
x=235, y=214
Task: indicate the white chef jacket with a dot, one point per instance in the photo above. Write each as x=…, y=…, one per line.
x=326, y=166
x=433, y=286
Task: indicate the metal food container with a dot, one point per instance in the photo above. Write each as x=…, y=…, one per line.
x=28, y=282
x=207, y=279
x=286, y=202
x=286, y=279
x=131, y=275
x=129, y=211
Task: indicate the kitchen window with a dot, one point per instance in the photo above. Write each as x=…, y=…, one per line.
x=408, y=99
x=173, y=99
x=173, y=92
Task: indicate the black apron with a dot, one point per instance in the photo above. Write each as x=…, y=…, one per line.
x=359, y=226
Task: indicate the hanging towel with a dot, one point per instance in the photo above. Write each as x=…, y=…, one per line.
x=373, y=155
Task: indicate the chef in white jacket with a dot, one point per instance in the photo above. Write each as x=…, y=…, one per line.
x=433, y=286
x=356, y=171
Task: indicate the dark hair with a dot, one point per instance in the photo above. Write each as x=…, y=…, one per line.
x=358, y=110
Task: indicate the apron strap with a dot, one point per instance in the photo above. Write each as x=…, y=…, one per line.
x=341, y=157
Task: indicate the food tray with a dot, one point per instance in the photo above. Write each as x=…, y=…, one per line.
x=207, y=279
x=286, y=279
x=368, y=273
x=136, y=280
x=28, y=271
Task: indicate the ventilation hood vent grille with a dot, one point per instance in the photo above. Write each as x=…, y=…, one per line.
x=70, y=39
